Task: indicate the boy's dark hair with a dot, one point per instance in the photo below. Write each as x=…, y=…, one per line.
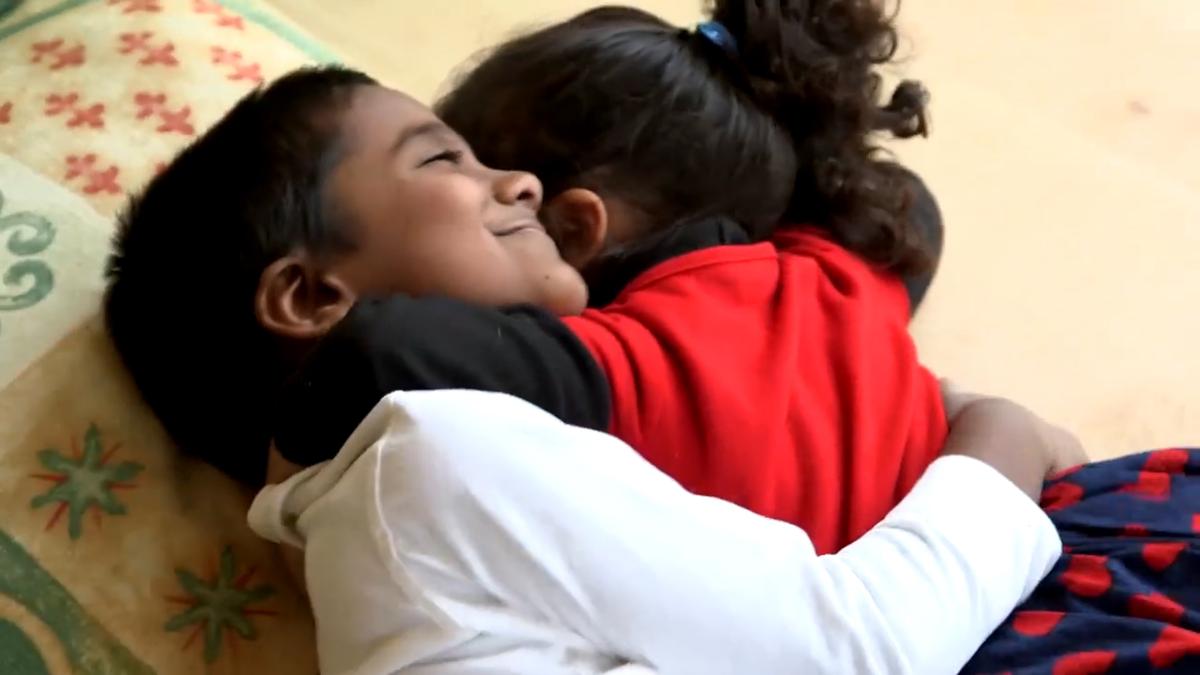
x=775, y=127
x=189, y=252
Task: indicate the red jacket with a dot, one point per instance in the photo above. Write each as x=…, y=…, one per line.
x=779, y=376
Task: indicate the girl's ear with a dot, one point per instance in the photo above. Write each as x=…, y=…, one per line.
x=578, y=221
x=297, y=299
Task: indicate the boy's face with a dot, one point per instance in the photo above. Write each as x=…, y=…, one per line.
x=428, y=218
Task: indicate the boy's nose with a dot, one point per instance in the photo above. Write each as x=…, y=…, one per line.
x=519, y=187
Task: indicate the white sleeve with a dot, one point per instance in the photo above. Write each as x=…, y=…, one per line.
x=692, y=585
x=575, y=528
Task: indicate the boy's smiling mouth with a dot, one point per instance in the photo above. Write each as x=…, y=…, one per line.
x=518, y=227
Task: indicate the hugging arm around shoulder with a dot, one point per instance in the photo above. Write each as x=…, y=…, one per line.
x=403, y=343
x=517, y=543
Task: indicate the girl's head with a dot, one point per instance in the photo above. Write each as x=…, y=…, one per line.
x=259, y=237
x=765, y=116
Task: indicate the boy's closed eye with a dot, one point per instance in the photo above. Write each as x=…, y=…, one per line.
x=452, y=156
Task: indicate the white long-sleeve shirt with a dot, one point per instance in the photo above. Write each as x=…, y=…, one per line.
x=470, y=533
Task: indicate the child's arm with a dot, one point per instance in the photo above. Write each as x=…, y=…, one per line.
x=512, y=514
x=692, y=585
x=403, y=343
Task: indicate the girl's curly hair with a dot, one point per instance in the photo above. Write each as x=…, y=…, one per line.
x=772, y=120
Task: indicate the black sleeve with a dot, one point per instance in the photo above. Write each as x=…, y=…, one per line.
x=402, y=343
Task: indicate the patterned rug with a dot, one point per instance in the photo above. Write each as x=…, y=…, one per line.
x=117, y=555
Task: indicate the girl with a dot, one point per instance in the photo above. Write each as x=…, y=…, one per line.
x=764, y=117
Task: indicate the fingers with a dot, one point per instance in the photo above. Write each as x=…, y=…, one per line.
x=1069, y=451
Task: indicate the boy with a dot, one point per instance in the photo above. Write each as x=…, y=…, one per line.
x=239, y=256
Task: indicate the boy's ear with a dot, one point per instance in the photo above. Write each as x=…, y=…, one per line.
x=578, y=221
x=297, y=299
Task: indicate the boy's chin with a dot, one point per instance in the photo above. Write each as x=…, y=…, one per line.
x=566, y=294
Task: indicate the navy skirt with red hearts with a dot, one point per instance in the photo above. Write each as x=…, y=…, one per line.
x=1125, y=597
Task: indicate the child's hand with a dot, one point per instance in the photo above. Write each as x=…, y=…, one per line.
x=1069, y=451
x=1010, y=438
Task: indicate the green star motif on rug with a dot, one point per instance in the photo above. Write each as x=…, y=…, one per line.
x=83, y=482
x=217, y=606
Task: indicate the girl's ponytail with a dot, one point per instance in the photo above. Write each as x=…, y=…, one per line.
x=811, y=65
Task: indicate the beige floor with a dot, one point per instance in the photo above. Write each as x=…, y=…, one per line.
x=1064, y=153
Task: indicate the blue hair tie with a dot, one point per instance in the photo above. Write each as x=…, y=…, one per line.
x=716, y=33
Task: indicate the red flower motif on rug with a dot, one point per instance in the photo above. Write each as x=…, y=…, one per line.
x=96, y=179
x=57, y=54
x=139, y=43
x=91, y=116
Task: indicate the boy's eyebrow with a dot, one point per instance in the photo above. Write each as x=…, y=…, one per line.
x=433, y=127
